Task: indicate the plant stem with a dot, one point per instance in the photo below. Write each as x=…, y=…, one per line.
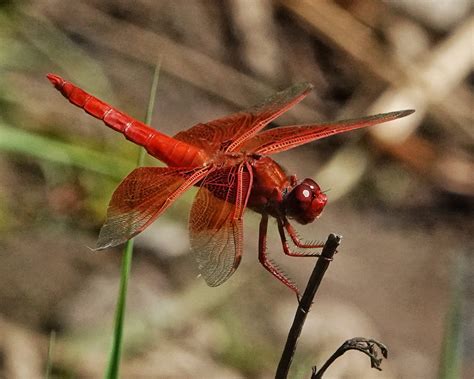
x=304, y=306
x=117, y=344
x=367, y=346
x=49, y=361
x=452, y=347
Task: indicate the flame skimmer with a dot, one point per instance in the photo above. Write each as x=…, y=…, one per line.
x=228, y=159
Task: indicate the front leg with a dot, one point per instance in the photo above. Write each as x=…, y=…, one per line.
x=267, y=263
x=283, y=224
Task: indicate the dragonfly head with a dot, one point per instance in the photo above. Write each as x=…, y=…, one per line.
x=305, y=202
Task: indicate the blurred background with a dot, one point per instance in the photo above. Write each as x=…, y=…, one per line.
x=400, y=194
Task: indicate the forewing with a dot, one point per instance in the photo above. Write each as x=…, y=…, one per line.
x=286, y=137
x=215, y=224
x=228, y=133
x=140, y=198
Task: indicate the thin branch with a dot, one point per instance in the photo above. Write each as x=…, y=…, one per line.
x=364, y=345
x=304, y=306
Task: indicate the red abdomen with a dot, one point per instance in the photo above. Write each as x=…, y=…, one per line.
x=166, y=149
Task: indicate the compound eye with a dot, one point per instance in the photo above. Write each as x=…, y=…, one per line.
x=303, y=193
x=311, y=184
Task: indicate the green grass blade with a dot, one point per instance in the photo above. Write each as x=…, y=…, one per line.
x=152, y=98
x=117, y=344
x=451, y=356
x=116, y=352
x=149, y=110
x=49, y=360
x=20, y=141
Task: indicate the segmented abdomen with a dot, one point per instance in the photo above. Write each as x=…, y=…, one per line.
x=167, y=149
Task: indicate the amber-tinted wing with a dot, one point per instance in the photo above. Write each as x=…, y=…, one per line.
x=215, y=223
x=228, y=133
x=286, y=137
x=141, y=197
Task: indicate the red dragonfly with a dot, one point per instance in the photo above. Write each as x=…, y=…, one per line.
x=228, y=159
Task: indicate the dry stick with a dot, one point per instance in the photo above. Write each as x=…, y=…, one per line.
x=364, y=345
x=304, y=306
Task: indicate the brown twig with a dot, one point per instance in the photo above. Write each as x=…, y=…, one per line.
x=364, y=345
x=304, y=306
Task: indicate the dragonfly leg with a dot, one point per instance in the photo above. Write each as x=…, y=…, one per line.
x=283, y=224
x=269, y=265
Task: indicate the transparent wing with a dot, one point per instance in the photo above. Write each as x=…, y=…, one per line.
x=227, y=133
x=140, y=198
x=215, y=223
x=286, y=137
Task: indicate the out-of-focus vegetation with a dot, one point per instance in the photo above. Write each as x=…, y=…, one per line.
x=408, y=185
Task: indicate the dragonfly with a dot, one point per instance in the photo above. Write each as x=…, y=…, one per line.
x=228, y=159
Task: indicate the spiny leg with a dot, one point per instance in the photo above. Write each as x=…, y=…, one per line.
x=283, y=224
x=267, y=263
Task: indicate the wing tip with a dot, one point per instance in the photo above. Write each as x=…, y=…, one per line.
x=216, y=278
x=107, y=242
x=217, y=281
x=99, y=247
x=102, y=246
x=305, y=87
x=404, y=113
x=299, y=90
x=390, y=116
